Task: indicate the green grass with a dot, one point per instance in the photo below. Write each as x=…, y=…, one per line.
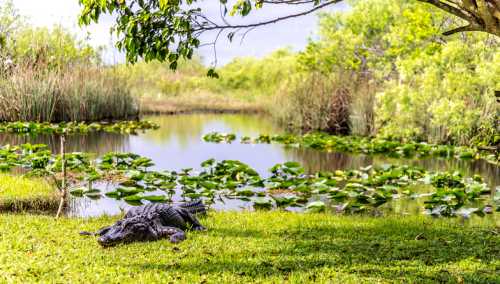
x=199, y=102
x=271, y=247
x=23, y=194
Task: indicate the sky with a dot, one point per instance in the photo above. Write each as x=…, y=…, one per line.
x=292, y=33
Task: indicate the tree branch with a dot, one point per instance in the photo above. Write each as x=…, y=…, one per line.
x=480, y=14
x=468, y=28
x=451, y=9
x=273, y=21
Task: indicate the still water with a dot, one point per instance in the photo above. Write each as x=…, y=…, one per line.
x=177, y=145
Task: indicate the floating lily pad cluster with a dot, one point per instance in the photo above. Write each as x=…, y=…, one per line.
x=351, y=191
x=361, y=145
x=286, y=186
x=453, y=192
x=130, y=127
x=219, y=137
x=37, y=157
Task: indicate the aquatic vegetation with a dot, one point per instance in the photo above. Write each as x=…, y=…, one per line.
x=349, y=191
x=453, y=192
x=287, y=185
x=316, y=206
x=128, y=127
x=363, y=145
x=124, y=161
x=219, y=137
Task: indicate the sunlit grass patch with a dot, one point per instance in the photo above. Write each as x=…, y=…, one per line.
x=19, y=193
x=258, y=247
x=199, y=102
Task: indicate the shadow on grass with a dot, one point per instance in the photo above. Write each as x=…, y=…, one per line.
x=392, y=251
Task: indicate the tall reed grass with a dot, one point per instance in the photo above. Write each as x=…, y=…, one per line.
x=338, y=103
x=73, y=93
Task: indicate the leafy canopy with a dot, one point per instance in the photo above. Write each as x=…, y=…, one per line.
x=170, y=29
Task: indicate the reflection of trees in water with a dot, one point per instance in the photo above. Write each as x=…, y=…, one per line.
x=184, y=128
x=98, y=143
x=489, y=172
x=251, y=123
x=314, y=160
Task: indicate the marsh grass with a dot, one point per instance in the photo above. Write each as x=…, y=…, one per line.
x=315, y=102
x=73, y=93
x=245, y=84
x=258, y=247
x=19, y=194
x=203, y=102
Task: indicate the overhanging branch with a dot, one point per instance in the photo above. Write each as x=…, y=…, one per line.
x=467, y=28
x=272, y=21
x=451, y=9
x=481, y=15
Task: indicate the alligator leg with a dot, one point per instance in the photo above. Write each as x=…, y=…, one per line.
x=192, y=220
x=176, y=235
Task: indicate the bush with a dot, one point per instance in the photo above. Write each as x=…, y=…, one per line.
x=446, y=97
x=408, y=81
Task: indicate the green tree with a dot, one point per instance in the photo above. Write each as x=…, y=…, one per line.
x=171, y=29
x=21, y=43
x=428, y=86
x=10, y=22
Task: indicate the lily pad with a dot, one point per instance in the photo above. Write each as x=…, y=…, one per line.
x=262, y=203
x=316, y=206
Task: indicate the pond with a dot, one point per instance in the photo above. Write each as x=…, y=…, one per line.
x=178, y=144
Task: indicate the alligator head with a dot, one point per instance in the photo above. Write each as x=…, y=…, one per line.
x=129, y=230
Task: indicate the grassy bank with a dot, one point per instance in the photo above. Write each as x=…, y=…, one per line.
x=23, y=194
x=266, y=247
x=198, y=102
x=245, y=85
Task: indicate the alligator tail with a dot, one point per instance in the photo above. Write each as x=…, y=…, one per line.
x=195, y=207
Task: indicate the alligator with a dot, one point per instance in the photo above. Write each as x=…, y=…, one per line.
x=152, y=222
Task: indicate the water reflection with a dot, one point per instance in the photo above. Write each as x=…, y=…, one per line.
x=177, y=144
x=97, y=143
x=315, y=161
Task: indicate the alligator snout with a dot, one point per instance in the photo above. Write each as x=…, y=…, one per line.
x=106, y=241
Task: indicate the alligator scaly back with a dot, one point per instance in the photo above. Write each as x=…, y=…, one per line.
x=152, y=222
x=195, y=207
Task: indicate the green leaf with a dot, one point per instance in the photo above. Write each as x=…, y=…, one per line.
x=316, y=206
x=212, y=74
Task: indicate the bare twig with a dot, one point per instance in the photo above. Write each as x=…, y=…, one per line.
x=63, y=188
